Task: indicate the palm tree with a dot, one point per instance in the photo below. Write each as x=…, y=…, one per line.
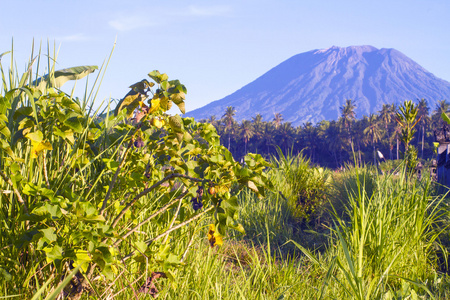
x=387, y=114
x=268, y=136
x=442, y=106
x=396, y=135
x=348, y=116
x=311, y=135
x=285, y=136
x=424, y=119
x=373, y=132
x=258, y=125
x=229, y=120
x=247, y=132
x=278, y=118
x=358, y=134
x=334, y=140
x=213, y=121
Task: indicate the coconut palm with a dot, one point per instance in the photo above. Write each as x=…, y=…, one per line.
x=268, y=136
x=228, y=119
x=332, y=134
x=258, y=125
x=285, y=136
x=348, y=117
x=373, y=132
x=247, y=132
x=278, y=118
x=310, y=135
x=424, y=119
x=387, y=114
x=442, y=106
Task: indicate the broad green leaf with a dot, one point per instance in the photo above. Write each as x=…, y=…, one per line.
x=49, y=234
x=5, y=274
x=5, y=131
x=35, y=137
x=445, y=117
x=182, y=107
x=129, y=103
x=141, y=246
x=82, y=256
x=23, y=111
x=75, y=124
x=58, y=78
x=176, y=123
x=158, y=77
x=54, y=253
x=141, y=86
x=69, y=103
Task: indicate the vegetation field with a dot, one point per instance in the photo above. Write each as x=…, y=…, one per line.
x=134, y=203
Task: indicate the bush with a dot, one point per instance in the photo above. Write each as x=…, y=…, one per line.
x=304, y=187
x=93, y=197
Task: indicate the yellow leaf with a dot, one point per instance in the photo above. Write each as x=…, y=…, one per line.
x=39, y=147
x=155, y=105
x=214, y=237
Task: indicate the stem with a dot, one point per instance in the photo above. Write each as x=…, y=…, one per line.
x=178, y=226
x=161, y=210
x=148, y=190
x=174, y=218
x=19, y=197
x=45, y=171
x=170, y=230
x=187, y=248
x=113, y=181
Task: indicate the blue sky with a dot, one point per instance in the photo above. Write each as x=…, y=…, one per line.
x=217, y=47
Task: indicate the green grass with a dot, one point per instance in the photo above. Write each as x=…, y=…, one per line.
x=318, y=235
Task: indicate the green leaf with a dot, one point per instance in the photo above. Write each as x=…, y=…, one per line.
x=75, y=124
x=49, y=234
x=22, y=112
x=445, y=117
x=5, y=131
x=35, y=137
x=69, y=103
x=54, y=253
x=129, y=103
x=58, y=78
x=5, y=274
x=82, y=256
x=141, y=246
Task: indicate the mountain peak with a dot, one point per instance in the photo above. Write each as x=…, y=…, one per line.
x=312, y=86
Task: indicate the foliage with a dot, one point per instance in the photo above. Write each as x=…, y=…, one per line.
x=386, y=241
x=329, y=143
x=304, y=187
x=78, y=191
x=407, y=119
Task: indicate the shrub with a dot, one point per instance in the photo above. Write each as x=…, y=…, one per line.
x=98, y=199
x=303, y=186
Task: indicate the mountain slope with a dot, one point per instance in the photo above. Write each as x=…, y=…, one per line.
x=312, y=86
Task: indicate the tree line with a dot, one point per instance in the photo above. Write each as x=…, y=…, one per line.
x=333, y=143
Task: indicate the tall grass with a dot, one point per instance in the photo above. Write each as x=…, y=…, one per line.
x=386, y=238
x=23, y=268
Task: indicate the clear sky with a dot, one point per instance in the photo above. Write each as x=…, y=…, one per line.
x=217, y=47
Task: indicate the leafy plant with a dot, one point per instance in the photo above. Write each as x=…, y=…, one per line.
x=407, y=119
x=303, y=186
x=94, y=193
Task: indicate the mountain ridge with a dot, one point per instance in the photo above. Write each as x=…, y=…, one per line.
x=312, y=86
